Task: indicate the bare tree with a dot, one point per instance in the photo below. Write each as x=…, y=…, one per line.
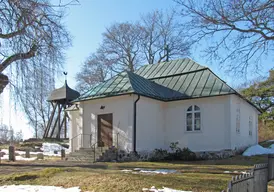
x=31, y=29
x=33, y=39
x=96, y=69
x=121, y=44
x=126, y=46
x=4, y=133
x=163, y=38
x=33, y=98
x=9, y=135
x=242, y=31
x=32, y=35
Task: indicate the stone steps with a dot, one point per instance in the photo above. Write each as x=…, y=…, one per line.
x=87, y=154
x=81, y=158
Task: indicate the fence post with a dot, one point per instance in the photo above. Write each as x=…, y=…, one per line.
x=63, y=154
x=260, y=177
x=117, y=147
x=254, y=181
x=1, y=154
x=72, y=148
x=270, y=167
x=11, y=153
x=240, y=183
x=229, y=186
x=27, y=155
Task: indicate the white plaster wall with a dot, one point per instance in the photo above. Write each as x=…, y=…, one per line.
x=122, y=109
x=160, y=123
x=214, y=134
x=75, y=129
x=150, y=124
x=243, y=139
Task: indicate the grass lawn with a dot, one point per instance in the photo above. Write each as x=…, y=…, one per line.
x=194, y=176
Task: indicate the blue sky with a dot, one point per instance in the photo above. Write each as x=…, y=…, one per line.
x=89, y=20
x=86, y=23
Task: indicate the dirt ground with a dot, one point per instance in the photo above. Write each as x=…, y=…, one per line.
x=194, y=176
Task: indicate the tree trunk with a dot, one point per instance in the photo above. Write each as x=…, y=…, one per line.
x=4, y=80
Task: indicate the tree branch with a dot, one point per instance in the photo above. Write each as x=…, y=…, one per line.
x=13, y=34
x=18, y=56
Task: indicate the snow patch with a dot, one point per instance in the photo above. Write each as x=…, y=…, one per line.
x=150, y=171
x=258, y=150
x=36, y=188
x=272, y=147
x=19, y=158
x=159, y=171
x=164, y=189
x=49, y=149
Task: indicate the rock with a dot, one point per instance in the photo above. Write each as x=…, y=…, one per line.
x=2, y=153
x=40, y=156
x=223, y=154
x=27, y=155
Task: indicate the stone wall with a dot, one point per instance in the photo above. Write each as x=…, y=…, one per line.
x=122, y=156
x=213, y=155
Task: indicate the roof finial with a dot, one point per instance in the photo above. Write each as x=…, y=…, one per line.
x=65, y=73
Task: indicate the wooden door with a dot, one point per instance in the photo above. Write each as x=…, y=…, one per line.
x=105, y=130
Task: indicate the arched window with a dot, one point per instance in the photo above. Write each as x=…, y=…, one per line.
x=193, y=118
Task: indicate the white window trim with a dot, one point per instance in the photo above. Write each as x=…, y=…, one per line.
x=193, y=119
x=250, y=126
x=238, y=114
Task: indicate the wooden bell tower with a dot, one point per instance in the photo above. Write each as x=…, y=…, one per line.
x=60, y=99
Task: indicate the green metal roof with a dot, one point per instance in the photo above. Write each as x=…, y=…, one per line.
x=151, y=89
x=166, y=81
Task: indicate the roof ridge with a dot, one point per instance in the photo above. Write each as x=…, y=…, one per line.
x=221, y=80
x=158, y=63
x=169, y=61
x=178, y=74
x=154, y=91
x=100, y=83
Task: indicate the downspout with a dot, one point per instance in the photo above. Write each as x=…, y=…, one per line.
x=134, y=123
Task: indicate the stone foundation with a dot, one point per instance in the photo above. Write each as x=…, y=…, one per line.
x=212, y=155
x=122, y=156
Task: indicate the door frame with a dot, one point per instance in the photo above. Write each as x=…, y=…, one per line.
x=99, y=136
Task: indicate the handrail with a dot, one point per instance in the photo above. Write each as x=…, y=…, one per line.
x=72, y=139
x=119, y=135
x=117, y=143
x=94, y=149
x=75, y=136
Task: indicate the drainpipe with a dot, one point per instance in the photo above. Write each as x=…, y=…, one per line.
x=134, y=123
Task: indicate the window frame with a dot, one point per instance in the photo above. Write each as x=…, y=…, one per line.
x=193, y=112
x=250, y=126
x=238, y=120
